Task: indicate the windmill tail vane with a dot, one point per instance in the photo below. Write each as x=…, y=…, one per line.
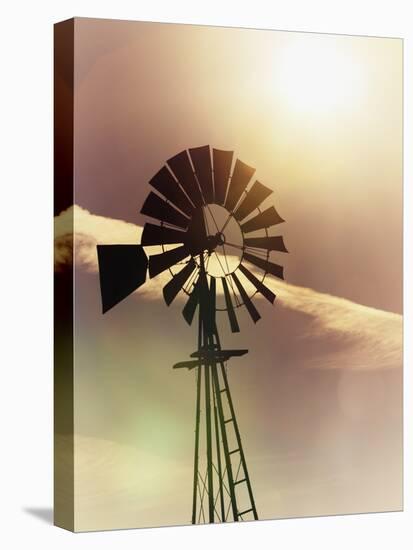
x=210, y=224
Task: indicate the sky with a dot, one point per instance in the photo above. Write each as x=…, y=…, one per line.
x=318, y=397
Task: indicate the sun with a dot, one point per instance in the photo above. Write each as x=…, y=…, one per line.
x=318, y=75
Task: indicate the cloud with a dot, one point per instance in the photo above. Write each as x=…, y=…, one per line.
x=346, y=323
x=89, y=231
x=375, y=335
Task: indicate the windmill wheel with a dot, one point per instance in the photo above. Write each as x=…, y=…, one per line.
x=210, y=214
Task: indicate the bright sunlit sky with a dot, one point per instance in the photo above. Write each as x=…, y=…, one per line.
x=318, y=77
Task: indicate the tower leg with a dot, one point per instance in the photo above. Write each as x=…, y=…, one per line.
x=219, y=461
x=247, y=480
x=196, y=456
x=227, y=457
x=209, y=444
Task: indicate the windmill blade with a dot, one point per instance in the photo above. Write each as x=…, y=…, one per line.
x=122, y=269
x=211, y=304
x=213, y=293
x=230, y=308
x=222, y=161
x=196, y=233
x=204, y=295
x=190, y=307
x=165, y=183
x=181, y=167
x=159, y=234
x=160, y=262
x=158, y=208
x=262, y=289
x=266, y=265
x=239, y=181
x=264, y=219
x=252, y=310
x=201, y=159
x=256, y=195
x=171, y=289
x=268, y=243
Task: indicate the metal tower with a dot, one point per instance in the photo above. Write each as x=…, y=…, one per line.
x=216, y=487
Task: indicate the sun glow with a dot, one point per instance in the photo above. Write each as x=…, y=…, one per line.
x=318, y=76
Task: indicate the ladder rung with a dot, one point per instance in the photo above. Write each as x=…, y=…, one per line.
x=234, y=451
x=246, y=512
x=240, y=481
x=222, y=391
x=228, y=420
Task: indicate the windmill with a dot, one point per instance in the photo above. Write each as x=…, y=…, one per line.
x=210, y=223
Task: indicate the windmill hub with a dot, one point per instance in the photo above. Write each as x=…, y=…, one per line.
x=197, y=238
x=220, y=238
x=226, y=235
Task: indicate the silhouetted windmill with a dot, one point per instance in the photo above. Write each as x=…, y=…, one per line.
x=202, y=209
